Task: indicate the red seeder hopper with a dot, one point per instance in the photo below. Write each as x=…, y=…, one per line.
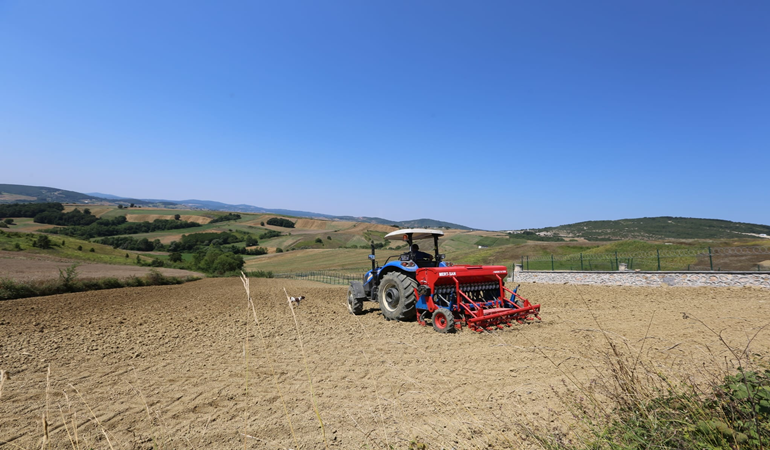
x=475, y=296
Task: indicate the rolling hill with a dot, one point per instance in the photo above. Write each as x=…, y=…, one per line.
x=655, y=228
x=10, y=193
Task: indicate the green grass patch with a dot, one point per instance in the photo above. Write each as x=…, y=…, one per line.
x=64, y=247
x=69, y=282
x=645, y=408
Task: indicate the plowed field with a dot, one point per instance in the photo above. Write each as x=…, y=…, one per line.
x=166, y=367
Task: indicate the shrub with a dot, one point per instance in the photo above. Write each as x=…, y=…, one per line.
x=3, y=225
x=8, y=221
x=174, y=257
x=134, y=282
x=111, y=283
x=227, y=262
x=10, y=289
x=177, y=217
x=226, y=217
x=259, y=274
x=269, y=234
x=80, y=248
x=280, y=222
x=156, y=263
x=328, y=238
x=92, y=250
x=42, y=241
x=262, y=224
x=318, y=241
x=155, y=277
x=67, y=276
x=279, y=250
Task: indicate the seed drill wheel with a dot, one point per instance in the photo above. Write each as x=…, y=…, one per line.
x=443, y=321
x=355, y=305
x=396, y=296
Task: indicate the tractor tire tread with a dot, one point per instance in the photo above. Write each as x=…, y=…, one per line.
x=355, y=304
x=406, y=309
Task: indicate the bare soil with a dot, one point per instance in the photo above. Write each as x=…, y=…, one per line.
x=167, y=366
x=31, y=268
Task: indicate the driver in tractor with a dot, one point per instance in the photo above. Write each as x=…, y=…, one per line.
x=417, y=255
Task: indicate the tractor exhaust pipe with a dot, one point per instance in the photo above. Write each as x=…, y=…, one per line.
x=374, y=263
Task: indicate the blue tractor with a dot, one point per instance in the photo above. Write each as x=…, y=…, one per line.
x=416, y=285
x=393, y=285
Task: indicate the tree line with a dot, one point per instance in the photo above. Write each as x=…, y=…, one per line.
x=119, y=225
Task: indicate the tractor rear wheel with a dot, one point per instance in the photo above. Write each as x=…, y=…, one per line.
x=355, y=304
x=443, y=321
x=396, y=296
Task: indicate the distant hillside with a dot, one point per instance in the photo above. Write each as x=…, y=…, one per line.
x=653, y=228
x=10, y=193
x=21, y=193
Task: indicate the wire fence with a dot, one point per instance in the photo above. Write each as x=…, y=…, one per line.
x=751, y=259
x=323, y=276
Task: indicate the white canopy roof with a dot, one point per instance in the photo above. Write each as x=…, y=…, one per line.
x=417, y=233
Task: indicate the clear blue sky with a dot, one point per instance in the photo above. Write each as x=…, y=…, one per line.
x=496, y=115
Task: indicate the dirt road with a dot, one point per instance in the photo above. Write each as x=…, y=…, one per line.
x=166, y=366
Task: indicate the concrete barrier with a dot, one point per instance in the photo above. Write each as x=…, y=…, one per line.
x=714, y=279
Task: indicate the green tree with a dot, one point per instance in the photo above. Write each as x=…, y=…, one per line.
x=251, y=241
x=227, y=262
x=9, y=221
x=92, y=250
x=280, y=222
x=175, y=257
x=177, y=217
x=279, y=250
x=43, y=242
x=318, y=241
x=262, y=224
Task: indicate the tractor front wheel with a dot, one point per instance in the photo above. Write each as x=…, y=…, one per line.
x=443, y=321
x=355, y=304
x=396, y=297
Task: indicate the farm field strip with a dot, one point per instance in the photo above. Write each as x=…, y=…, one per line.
x=177, y=352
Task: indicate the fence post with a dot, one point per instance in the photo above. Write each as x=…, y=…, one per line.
x=617, y=266
x=551, y=262
x=658, y=250
x=527, y=262
x=581, y=261
x=711, y=261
